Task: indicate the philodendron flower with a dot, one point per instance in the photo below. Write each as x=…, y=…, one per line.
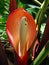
x=21, y=31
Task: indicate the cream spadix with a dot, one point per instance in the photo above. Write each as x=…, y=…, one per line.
x=23, y=35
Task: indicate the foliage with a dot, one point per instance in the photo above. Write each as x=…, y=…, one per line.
x=31, y=6
x=4, y=11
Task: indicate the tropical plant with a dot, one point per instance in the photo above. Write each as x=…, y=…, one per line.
x=37, y=13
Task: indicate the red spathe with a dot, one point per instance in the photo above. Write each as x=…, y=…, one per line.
x=12, y=29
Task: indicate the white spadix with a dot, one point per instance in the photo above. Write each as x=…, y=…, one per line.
x=23, y=35
x=23, y=30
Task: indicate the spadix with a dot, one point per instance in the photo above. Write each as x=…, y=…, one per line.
x=23, y=35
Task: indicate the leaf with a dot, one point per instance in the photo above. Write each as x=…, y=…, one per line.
x=4, y=11
x=33, y=11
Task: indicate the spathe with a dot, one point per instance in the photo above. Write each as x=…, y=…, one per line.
x=13, y=26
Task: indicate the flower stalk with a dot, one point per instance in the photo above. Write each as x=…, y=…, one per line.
x=13, y=5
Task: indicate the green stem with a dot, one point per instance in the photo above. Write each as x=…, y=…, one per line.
x=41, y=12
x=42, y=55
x=37, y=2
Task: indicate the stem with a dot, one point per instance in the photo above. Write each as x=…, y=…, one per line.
x=40, y=13
x=45, y=37
x=37, y=2
x=13, y=5
x=42, y=55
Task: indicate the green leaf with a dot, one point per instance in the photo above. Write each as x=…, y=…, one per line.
x=33, y=11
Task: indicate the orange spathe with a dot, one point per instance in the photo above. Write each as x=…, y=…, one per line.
x=13, y=27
